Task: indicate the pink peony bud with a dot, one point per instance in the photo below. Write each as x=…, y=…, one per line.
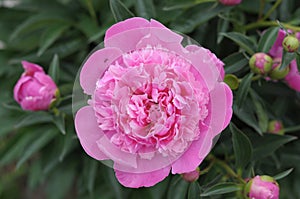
x=261, y=63
x=276, y=127
x=277, y=73
x=262, y=187
x=230, y=2
x=34, y=90
x=191, y=176
x=290, y=43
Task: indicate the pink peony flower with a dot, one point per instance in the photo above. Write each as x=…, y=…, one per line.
x=155, y=105
x=230, y=2
x=262, y=187
x=34, y=90
x=293, y=77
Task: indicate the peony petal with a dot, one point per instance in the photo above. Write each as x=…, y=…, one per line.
x=88, y=132
x=116, y=154
x=136, y=180
x=17, y=87
x=95, y=66
x=218, y=120
x=36, y=103
x=276, y=49
x=205, y=65
x=31, y=68
x=129, y=24
x=46, y=80
x=293, y=77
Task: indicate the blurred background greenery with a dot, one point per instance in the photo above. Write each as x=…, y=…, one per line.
x=40, y=155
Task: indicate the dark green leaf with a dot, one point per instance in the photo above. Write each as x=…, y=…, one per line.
x=283, y=174
x=267, y=40
x=242, y=40
x=242, y=147
x=54, y=68
x=194, y=190
x=196, y=16
x=59, y=121
x=145, y=8
x=34, y=118
x=263, y=119
x=119, y=10
x=178, y=188
x=235, y=62
x=286, y=59
x=298, y=60
x=268, y=143
x=50, y=36
x=223, y=26
x=243, y=90
x=36, y=145
x=221, y=188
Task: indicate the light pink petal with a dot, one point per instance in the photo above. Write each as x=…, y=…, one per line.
x=205, y=65
x=95, y=66
x=31, y=68
x=17, y=87
x=127, y=160
x=220, y=99
x=132, y=23
x=88, y=132
x=276, y=49
x=45, y=80
x=293, y=77
x=36, y=103
x=136, y=180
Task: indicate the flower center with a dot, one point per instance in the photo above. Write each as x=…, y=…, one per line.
x=148, y=100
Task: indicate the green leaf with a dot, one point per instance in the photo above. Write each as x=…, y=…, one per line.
x=145, y=8
x=242, y=147
x=242, y=40
x=265, y=145
x=283, y=174
x=267, y=40
x=243, y=90
x=194, y=190
x=246, y=114
x=223, y=26
x=286, y=59
x=59, y=121
x=221, y=188
x=298, y=60
x=36, y=145
x=263, y=119
x=119, y=10
x=235, y=62
x=51, y=34
x=195, y=16
x=38, y=21
x=54, y=68
x=34, y=118
x=178, y=188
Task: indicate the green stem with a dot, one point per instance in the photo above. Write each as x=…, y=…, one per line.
x=261, y=8
x=259, y=24
x=276, y=4
x=226, y=168
x=292, y=128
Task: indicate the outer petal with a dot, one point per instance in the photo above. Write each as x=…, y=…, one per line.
x=95, y=66
x=276, y=49
x=36, y=103
x=31, y=68
x=88, y=132
x=17, y=87
x=205, y=64
x=293, y=78
x=136, y=180
x=46, y=80
x=216, y=122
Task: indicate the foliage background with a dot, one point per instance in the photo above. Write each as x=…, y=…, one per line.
x=40, y=156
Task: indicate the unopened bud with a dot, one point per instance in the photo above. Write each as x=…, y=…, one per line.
x=276, y=127
x=261, y=63
x=290, y=43
x=191, y=176
x=277, y=73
